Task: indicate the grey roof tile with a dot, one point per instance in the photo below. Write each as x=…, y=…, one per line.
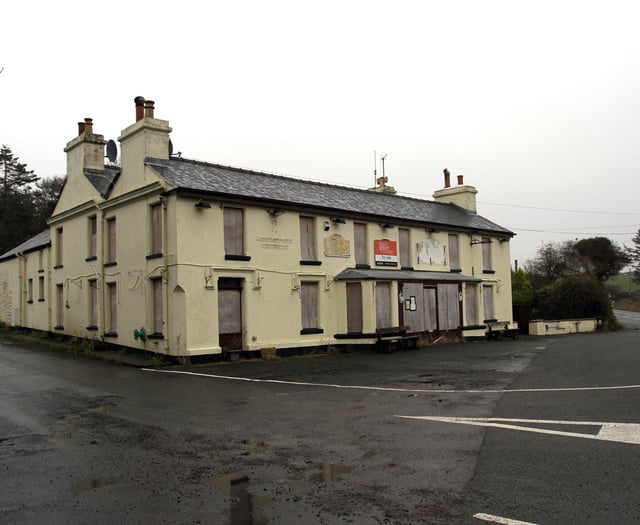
x=37, y=241
x=219, y=180
x=102, y=180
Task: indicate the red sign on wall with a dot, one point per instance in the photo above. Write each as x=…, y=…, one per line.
x=385, y=252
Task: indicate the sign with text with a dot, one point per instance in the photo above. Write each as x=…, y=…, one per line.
x=385, y=252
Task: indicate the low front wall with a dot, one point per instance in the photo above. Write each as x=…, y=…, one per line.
x=568, y=326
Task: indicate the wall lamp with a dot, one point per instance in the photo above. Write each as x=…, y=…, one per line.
x=338, y=220
x=203, y=204
x=275, y=212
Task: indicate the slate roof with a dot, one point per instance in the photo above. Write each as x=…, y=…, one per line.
x=214, y=179
x=102, y=180
x=41, y=240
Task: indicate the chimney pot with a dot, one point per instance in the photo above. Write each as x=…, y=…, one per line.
x=139, y=108
x=88, y=125
x=80, y=128
x=460, y=180
x=447, y=179
x=148, y=108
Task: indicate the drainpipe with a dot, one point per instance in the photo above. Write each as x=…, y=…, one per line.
x=101, y=294
x=165, y=272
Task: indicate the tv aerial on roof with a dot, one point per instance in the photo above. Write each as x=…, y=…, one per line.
x=112, y=151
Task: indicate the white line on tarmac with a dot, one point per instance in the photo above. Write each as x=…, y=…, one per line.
x=390, y=389
x=616, y=432
x=499, y=519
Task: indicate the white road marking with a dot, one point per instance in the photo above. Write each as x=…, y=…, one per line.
x=391, y=389
x=617, y=432
x=499, y=519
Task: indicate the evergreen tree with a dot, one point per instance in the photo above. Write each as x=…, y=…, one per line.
x=634, y=256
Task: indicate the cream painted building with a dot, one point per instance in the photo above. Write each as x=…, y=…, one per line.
x=188, y=258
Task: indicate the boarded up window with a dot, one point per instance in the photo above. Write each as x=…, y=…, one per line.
x=59, y=246
x=413, y=306
x=93, y=302
x=403, y=239
x=309, y=300
x=112, y=297
x=448, y=307
x=470, y=293
x=360, y=242
x=41, y=288
x=93, y=234
x=59, y=306
x=307, y=239
x=156, y=229
x=30, y=290
x=486, y=253
x=454, y=262
x=158, y=317
x=487, y=299
x=383, y=305
x=354, y=307
x=111, y=240
x=233, y=231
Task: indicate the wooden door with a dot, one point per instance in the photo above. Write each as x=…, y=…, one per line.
x=230, y=314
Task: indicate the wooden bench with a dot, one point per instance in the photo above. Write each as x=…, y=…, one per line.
x=498, y=330
x=394, y=337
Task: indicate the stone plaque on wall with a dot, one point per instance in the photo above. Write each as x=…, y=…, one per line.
x=337, y=246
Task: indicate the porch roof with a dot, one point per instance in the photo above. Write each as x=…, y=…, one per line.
x=372, y=274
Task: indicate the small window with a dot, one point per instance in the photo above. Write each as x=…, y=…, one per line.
x=360, y=244
x=156, y=229
x=59, y=307
x=93, y=237
x=59, y=247
x=112, y=311
x=30, y=290
x=111, y=241
x=309, y=308
x=41, y=288
x=158, y=318
x=307, y=239
x=93, y=305
x=405, y=255
x=470, y=292
x=487, y=300
x=354, y=308
x=486, y=255
x=454, y=262
x=234, y=234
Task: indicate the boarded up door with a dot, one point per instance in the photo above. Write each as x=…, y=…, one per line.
x=383, y=305
x=230, y=314
x=413, y=308
x=430, y=309
x=448, y=307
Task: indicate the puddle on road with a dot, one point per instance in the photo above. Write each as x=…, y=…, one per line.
x=91, y=484
x=245, y=507
x=326, y=472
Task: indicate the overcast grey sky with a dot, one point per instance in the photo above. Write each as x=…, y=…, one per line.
x=537, y=103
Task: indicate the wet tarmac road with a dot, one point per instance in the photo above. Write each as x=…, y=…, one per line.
x=311, y=439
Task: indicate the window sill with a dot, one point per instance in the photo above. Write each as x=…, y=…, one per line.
x=361, y=266
x=354, y=335
x=58, y=327
x=310, y=263
x=108, y=264
x=30, y=301
x=490, y=320
x=232, y=257
x=58, y=266
x=41, y=300
x=92, y=328
x=311, y=331
x=407, y=268
x=41, y=270
x=489, y=272
x=456, y=270
x=92, y=258
x=111, y=334
x=155, y=335
x=153, y=256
